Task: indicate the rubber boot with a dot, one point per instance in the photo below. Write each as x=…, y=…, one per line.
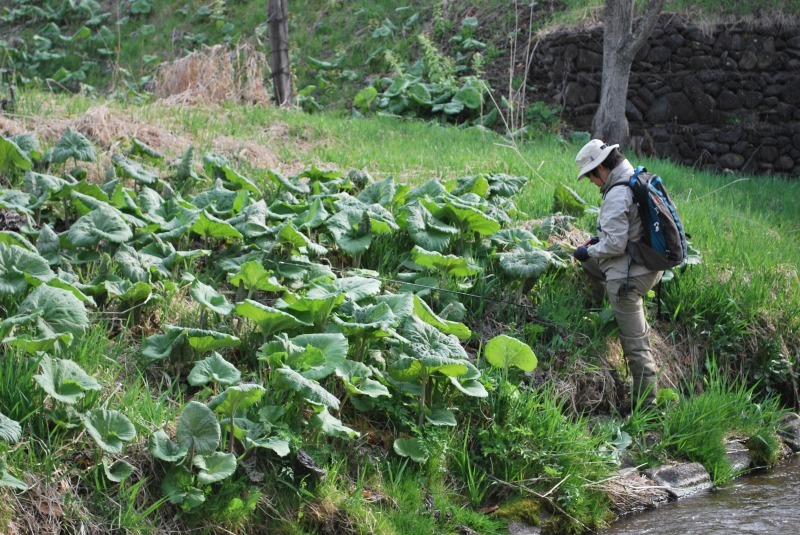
x=643, y=368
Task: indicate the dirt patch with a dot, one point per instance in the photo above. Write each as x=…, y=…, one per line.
x=10, y=127
x=253, y=153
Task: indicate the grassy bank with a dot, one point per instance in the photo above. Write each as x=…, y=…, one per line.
x=405, y=462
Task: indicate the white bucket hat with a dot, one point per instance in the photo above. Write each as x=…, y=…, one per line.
x=591, y=155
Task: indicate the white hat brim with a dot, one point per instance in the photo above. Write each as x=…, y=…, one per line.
x=597, y=161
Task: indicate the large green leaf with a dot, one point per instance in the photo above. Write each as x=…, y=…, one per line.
x=381, y=193
x=58, y=311
x=44, y=186
x=110, y=429
x=567, y=201
x=333, y=345
x=18, y=201
x=198, y=429
x=129, y=169
x=28, y=143
x=470, y=383
x=214, y=467
x=314, y=310
x=178, y=487
x=137, y=266
x=332, y=426
x=130, y=292
x=289, y=379
x=254, y=276
x=434, y=348
x=505, y=185
x=449, y=265
x=381, y=220
x=141, y=148
x=526, y=263
x=469, y=96
x=427, y=231
x=269, y=320
x=237, y=397
x=312, y=217
x=214, y=368
x=440, y=417
x=402, y=305
x=413, y=448
x=102, y=223
x=210, y=298
x=161, y=346
x=502, y=351
x=164, y=448
x=476, y=184
x=64, y=380
x=377, y=320
x=420, y=93
x=426, y=314
x=293, y=186
x=351, y=230
x=11, y=154
x=288, y=233
x=314, y=355
x=218, y=200
x=116, y=470
x=73, y=144
x=355, y=288
x=20, y=267
x=49, y=246
x=252, y=220
x=471, y=217
x=9, y=237
x=206, y=340
x=7, y=480
x=10, y=430
x=212, y=227
x=41, y=343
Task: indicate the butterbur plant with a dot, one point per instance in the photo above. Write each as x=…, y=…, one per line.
x=10, y=431
x=194, y=456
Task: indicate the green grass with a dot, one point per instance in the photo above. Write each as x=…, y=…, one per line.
x=734, y=305
x=697, y=427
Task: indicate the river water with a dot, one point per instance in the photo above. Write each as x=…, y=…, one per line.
x=762, y=503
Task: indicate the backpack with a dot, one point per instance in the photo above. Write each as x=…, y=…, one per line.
x=663, y=244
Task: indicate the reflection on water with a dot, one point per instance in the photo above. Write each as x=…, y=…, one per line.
x=762, y=503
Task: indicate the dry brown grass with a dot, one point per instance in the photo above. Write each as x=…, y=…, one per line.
x=630, y=492
x=214, y=75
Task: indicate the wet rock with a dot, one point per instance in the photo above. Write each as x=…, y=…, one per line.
x=789, y=430
x=681, y=480
x=739, y=456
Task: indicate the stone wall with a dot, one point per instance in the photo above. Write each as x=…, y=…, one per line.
x=723, y=96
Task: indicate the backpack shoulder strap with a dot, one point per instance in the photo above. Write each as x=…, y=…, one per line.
x=631, y=182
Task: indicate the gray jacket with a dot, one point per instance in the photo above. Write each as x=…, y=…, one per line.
x=617, y=223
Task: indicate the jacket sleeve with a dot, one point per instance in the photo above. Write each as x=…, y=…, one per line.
x=612, y=224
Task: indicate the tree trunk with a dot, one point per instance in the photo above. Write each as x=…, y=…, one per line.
x=279, y=51
x=620, y=45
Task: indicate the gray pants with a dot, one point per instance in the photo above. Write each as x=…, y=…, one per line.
x=625, y=296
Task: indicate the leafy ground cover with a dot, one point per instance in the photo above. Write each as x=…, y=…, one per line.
x=201, y=336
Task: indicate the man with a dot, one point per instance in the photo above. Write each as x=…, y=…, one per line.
x=606, y=260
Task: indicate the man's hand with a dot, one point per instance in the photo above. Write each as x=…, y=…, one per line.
x=591, y=241
x=581, y=253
